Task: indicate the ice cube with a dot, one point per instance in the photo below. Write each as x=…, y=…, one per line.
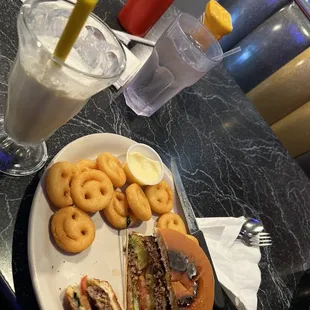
x=102, y=58
x=112, y=63
x=57, y=23
x=90, y=37
x=37, y=22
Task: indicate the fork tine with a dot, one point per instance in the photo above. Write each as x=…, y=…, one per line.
x=261, y=238
x=263, y=234
x=265, y=244
x=261, y=245
x=261, y=242
x=264, y=237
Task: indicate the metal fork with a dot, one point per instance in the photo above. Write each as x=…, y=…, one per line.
x=259, y=240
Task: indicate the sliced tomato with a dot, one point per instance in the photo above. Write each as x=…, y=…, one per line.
x=143, y=293
x=83, y=285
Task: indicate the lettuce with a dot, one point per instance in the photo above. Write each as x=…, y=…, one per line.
x=77, y=299
x=136, y=242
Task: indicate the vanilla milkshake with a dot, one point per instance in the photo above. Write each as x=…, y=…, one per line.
x=34, y=110
x=42, y=95
x=45, y=92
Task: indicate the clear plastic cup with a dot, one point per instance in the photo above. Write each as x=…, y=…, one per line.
x=184, y=53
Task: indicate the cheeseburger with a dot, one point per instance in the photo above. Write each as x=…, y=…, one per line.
x=168, y=271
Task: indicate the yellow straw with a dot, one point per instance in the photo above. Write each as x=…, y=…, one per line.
x=73, y=27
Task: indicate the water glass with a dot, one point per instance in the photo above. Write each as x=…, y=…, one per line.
x=184, y=53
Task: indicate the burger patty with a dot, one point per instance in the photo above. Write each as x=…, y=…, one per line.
x=154, y=256
x=157, y=269
x=98, y=298
x=132, y=263
x=152, y=277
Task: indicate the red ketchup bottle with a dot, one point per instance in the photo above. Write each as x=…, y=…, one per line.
x=138, y=16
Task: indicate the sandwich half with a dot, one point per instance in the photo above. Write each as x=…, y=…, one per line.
x=148, y=279
x=75, y=300
x=92, y=294
x=191, y=271
x=168, y=271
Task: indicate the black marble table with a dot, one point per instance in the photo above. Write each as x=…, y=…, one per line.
x=231, y=165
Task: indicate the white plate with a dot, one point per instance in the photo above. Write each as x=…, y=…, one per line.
x=52, y=270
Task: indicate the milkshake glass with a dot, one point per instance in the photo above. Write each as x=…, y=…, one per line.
x=44, y=92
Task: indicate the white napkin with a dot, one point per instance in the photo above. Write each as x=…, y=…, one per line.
x=236, y=265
